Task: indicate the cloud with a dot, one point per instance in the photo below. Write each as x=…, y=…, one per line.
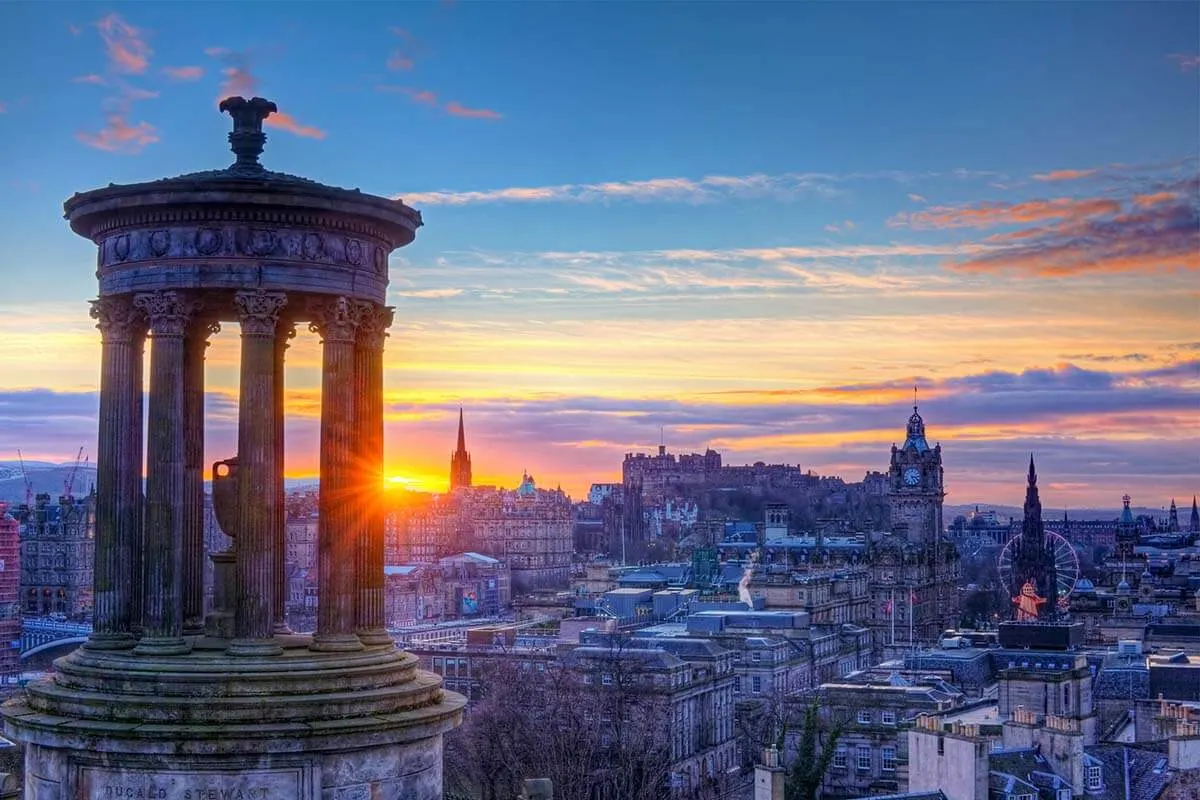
x=430, y=293
x=844, y=227
x=399, y=61
x=240, y=81
x=456, y=109
x=118, y=136
x=3, y=107
x=1065, y=174
x=991, y=214
x=422, y=96
x=916, y=198
x=781, y=186
x=1185, y=61
x=74, y=30
x=1154, y=232
x=95, y=80
x=286, y=122
x=127, y=51
x=184, y=73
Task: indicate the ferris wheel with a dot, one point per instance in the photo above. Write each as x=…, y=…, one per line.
x=1066, y=565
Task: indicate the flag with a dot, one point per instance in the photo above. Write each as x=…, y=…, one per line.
x=912, y=597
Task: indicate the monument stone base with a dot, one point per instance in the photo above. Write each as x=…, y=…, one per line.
x=112, y=725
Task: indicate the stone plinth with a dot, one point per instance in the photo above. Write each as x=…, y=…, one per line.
x=303, y=724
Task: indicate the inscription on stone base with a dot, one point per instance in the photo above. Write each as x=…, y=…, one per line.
x=134, y=784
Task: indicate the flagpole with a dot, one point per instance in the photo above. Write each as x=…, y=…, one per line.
x=892, y=614
x=911, y=611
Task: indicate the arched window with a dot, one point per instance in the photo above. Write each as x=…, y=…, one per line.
x=1067, y=698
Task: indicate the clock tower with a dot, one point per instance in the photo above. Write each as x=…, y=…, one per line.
x=915, y=488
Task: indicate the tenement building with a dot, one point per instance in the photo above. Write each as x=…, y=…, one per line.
x=167, y=701
x=57, y=539
x=529, y=529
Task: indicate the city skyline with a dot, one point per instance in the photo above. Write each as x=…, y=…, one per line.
x=766, y=265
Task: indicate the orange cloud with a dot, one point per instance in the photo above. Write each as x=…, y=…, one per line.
x=1065, y=174
x=127, y=50
x=399, y=61
x=423, y=96
x=454, y=108
x=118, y=136
x=287, y=122
x=184, y=73
x=992, y=214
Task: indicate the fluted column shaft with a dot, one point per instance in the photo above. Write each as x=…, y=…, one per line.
x=162, y=604
x=368, y=420
x=119, y=471
x=193, y=475
x=336, y=321
x=283, y=333
x=258, y=476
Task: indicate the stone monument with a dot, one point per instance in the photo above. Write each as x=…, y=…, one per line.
x=164, y=701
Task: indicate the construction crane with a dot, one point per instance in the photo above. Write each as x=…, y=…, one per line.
x=69, y=483
x=28, y=483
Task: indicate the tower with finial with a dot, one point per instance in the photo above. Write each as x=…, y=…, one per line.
x=1173, y=518
x=1194, y=522
x=1033, y=557
x=915, y=489
x=1127, y=533
x=460, y=460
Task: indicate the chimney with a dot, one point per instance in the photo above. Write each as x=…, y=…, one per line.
x=769, y=777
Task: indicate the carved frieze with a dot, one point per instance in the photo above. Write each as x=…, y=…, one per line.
x=241, y=241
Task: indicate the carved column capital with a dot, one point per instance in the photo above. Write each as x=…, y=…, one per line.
x=258, y=311
x=335, y=320
x=118, y=319
x=374, y=320
x=285, y=331
x=169, y=312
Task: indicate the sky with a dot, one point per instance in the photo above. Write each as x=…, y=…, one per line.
x=752, y=227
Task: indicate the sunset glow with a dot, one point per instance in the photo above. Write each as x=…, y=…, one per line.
x=623, y=238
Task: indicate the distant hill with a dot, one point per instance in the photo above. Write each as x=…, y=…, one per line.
x=45, y=477
x=48, y=478
x=949, y=512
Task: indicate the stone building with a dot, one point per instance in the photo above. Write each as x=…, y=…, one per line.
x=871, y=755
x=914, y=567
x=232, y=702
x=10, y=605
x=529, y=529
x=57, y=542
x=1033, y=561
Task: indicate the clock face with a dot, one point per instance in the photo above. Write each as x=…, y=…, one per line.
x=912, y=476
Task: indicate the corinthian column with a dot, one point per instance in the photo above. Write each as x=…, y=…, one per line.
x=368, y=421
x=162, y=601
x=193, y=476
x=258, y=476
x=283, y=333
x=336, y=321
x=118, y=471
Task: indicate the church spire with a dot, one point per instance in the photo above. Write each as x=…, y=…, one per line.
x=460, y=461
x=1194, y=522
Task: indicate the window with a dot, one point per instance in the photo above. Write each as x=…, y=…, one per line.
x=606, y=679
x=864, y=758
x=839, y=757
x=756, y=656
x=864, y=717
x=1093, y=777
x=737, y=684
x=887, y=759
x=757, y=681
x=887, y=717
